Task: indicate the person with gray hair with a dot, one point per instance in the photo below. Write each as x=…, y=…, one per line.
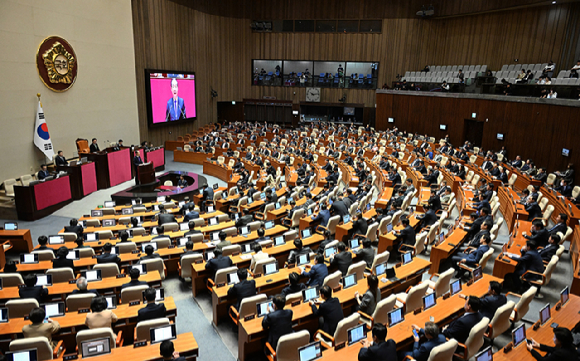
x=421, y=350
x=82, y=286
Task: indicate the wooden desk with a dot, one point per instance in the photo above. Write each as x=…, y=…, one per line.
x=575, y=255
x=504, y=265
x=562, y=206
x=387, y=240
x=384, y=198
x=251, y=334
x=446, y=248
x=20, y=240
x=511, y=211
x=190, y=157
x=343, y=230
x=220, y=171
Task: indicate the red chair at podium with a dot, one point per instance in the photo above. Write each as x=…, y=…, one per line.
x=146, y=173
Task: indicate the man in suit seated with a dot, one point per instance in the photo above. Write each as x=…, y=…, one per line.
x=149, y=254
x=564, y=189
x=188, y=250
x=380, y=349
x=329, y=312
x=530, y=260
x=94, y=148
x=223, y=240
x=299, y=250
x=164, y=217
x=31, y=290
x=422, y=350
x=483, y=203
x=152, y=310
x=492, y=300
x=474, y=227
x=74, y=227
x=342, y=260
x=359, y=225
x=394, y=177
x=406, y=235
x=207, y=195
x=539, y=234
x=542, y=176
x=182, y=183
x=168, y=353
x=134, y=274
x=192, y=230
x=367, y=253
x=475, y=241
x=278, y=322
x=338, y=208
x=192, y=214
x=317, y=272
x=82, y=285
x=429, y=218
x=471, y=257
x=434, y=201
x=218, y=262
x=242, y=289
x=43, y=172
x=550, y=250
x=60, y=159
x=106, y=256
x=560, y=225
x=459, y=328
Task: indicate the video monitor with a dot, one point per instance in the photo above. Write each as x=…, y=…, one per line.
x=141, y=267
x=111, y=302
x=24, y=355
x=171, y=97
x=485, y=355
x=4, y=315
x=213, y=221
x=210, y=209
x=29, y=258
x=329, y=252
x=95, y=347
x=564, y=296
x=391, y=120
x=349, y=281
x=429, y=301
x=310, y=352
x=348, y=111
x=280, y=240
x=545, y=314
x=389, y=227
x=56, y=239
x=519, y=335
x=565, y=152
x=244, y=230
x=306, y=233
x=215, y=236
x=127, y=211
x=184, y=226
x=53, y=309
x=270, y=268
x=394, y=317
x=499, y=136
x=407, y=257
x=477, y=274
x=263, y=308
x=152, y=244
x=92, y=275
x=356, y=334
x=310, y=294
x=303, y=259
x=90, y=237
x=43, y=280
x=442, y=126
x=109, y=222
x=455, y=287
x=346, y=219
x=160, y=334
x=354, y=243
x=10, y=226
x=380, y=269
x=74, y=254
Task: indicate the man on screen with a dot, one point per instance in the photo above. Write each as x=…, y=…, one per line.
x=175, y=106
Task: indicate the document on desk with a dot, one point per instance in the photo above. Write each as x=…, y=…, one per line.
x=246, y=257
x=510, y=255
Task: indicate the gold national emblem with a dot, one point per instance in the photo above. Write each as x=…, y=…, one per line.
x=57, y=64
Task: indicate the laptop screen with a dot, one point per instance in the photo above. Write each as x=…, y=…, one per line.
x=270, y=268
x=29, y=258
x=182, y=241
x=215, y=236
x=394, y=317
x=160, y=199
x=24, y=355
x=263, y=308
x=310, y=352
x=245, y=230
x=141, y=267
x=428, y=301
x=354, y=243
x=208, y=255
x=3, y=315
x=74, y=254
x=564, y=295
x=303, y=259
x=53, y=309
x=210, y=209
x=44, y=280
x=213, y=221
x=349, y=281
x=93, y=275
x=485, y=355
x=111, y=302
x=407, y=257
x=380, y=269
x=356, y=334
x=329, y=252
x=278, y=241
x=441, y=237
x=310, y=294
x=91, y=237
x=184, y=226
x=233, y=278
x=346, y=218
x=55, y=239
x=519, y=335
x=477, y=274
x=96, y=347
x=306, y=233
x=545, y=314
x=389, y=227
x=269, y=224
x=161, y=334
x=455, y=287
x=10, y=226
x=108, y=222
x=278, y=205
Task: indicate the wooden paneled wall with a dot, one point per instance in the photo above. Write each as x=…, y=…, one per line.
x=532, y=130
x=220, y=50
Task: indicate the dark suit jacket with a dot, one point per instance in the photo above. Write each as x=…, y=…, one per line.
x=555, y=354
x=367, y=255
x=42, y=174
x=241, y=290
x=360, y=226
x=382, y=351
x=74, y=229
x=475, y=256
x=331, y=311
x=534, y=210
x=278, y=324
x=435, y=203
x=342, y=260
x=490, y=304
x=529, y=261
x=430, y=218
x=421, y=351
x=79, y=292
x=136, y=161
x=134, y=283
x=408, y=236
x=60, y=160
x=316, y=275
x=94, y=148
x=560, y=227
x=165, y=218
x=339, y=208
x=217, y=263
x=541, y=237
x=36, y=292
x=63, y=263
x=459, y=329
x=108, y=258
x=547, y=252
x=151, y=311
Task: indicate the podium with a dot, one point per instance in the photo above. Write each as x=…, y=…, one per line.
x=146, y=173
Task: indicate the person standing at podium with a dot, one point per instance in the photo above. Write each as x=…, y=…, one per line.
x=60, y=159
x=136, y=162
x=94, y=146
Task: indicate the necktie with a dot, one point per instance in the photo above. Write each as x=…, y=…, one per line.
x=175, y=107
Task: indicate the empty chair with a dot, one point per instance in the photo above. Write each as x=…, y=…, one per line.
x=340, y=335
x=474, y=341
x=79, y=301
x=106, y=234
x=523, y=304
x=170, y=227
x=9, y=187
x=221, y=276
x=69, y=236
x=26, y=179
x=547, y=214
x=288, y=345
x=441, y=284
x=102, y=332
x=333, y=280
x=156, y=265
x=500, y=322
x=184, y=265
x=44, y=350
x=380, y=315
x=134, y=293
x=18, y=308
x=107, y=269
x=86, y=252
x=331, y=226
x=60, y=275
x=412, y=299
x=108, y=211
x=142, y=328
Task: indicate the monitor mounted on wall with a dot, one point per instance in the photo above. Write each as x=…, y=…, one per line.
x=171, y=97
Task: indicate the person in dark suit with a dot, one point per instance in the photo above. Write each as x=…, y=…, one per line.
x=134, y=274
x=43, y=172
x=278, y=322
x=533, y=209
x=42, y=244
x=31, y=290
x=106, y=256
x=294, y=286
x=394, y=177
x=74, y=227
x=329, y=312
x=422, y=350
x=82, y=285
x=182, y=183
x=218, y=262
x=192, y=230
x=459, y=328
x=342, y=260
x=60, y=159
x=94, y=148
x=167, y=351
x=164, y=217
x=429, y=218
x=560, y=224
x=474, y=227
x=475, y=241
x=299, y=250
x=192, y=214
x=381, y=349
x=492, y=300
x=136, y=162
x=483, y=203
x=206, y=195
x=406, y=235
x=530, y=260
x=323, y=216
x=149, y=253
x=152, y=310
x=550, y=250
x=338, y=208
x=563, y=348
x=359, y=225
x=242, y=289
x=367, y=253
x=317, y=272
x=434, y=201
x=175, y=108
x=61, y=261
x=470, y=258
x=564, y=189
x=539, y=234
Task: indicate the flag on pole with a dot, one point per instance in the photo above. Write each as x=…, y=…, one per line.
x=41, y=135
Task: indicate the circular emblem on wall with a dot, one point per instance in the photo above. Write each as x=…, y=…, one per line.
x=57, y=64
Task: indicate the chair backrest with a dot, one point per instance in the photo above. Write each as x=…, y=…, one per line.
x=333, y=280
x=500, y=322
x=485, y=258
x=248, y=305
x=523, y=305
x=383, y=225
x=143, y=327
x=288, y=345
x=134, y=293
x=340, y=335
x=78, y=301
x=108, y=211
x=138, y=231
x=395, y=219
x=20, y=307
x=69, y=236
x=155, y=264
x=170, y=227
x=550, y=269
x=259, y=265
x=296, y=217
x=551, y=179
x=420, y=242
x=230, y=250
x=293, y=297
x=415, y=297
x=443, y=352
x=379, y=259
x=548, y=213
x=164, y=242
x=108, y=269
x=332, y=223
x=11, y=279
x=186, y=262
x=41, y=344
x=60, y=275
x=44, y=255
x=126, y=247
x=358, y=269
x=221, y=276
x=96, y=333
x=442, y=284
x=26, y=179
x=372, y=231
x=106, y=234
x=383, y=307
x=475, y=339
x=9, y=186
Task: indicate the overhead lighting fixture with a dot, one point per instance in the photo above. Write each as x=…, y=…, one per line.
x=553, y=2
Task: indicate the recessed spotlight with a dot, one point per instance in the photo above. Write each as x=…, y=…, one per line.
x=553, y=2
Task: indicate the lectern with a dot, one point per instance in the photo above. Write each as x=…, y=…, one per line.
x=146, y=173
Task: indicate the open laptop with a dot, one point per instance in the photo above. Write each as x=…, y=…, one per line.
x=160, y=334
x=269, y=224
x=74, y=254
x=53, y=309
x=477, y=274
x=111, y=302
x=208, y=254
x=455, y=287
x=354, y=244
x=270, y=268
x=141, y=267
x=394, y=317
x=213, y=221
x=4, y=315
x=91, y=237
x=519, y=335
x=56, y=239
x=564, y=296
x=245, y=230
x=92, y=275
x=349, y=281
x=159, y=295
x=10, y=226
x=29, y=258
x=356, y=334
x=233, y=278
x=545, y=314
x=43, y=280
x=485, y=355
x=280, y=240
x=389, y=227
x=109, y=204
x=182, y=241
x=263, y=308
x=310, y=352
x=429, y=301
x=96, y=347
x=278, y=205
x=306, y=233
x=184, y=226
x=310, y=294
x=215, y=236
x=303, y=259
x=346, y=219
x=23, y=355
x=380, y=269
x=329, y=252
x=406, y=258
x=210, y=209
